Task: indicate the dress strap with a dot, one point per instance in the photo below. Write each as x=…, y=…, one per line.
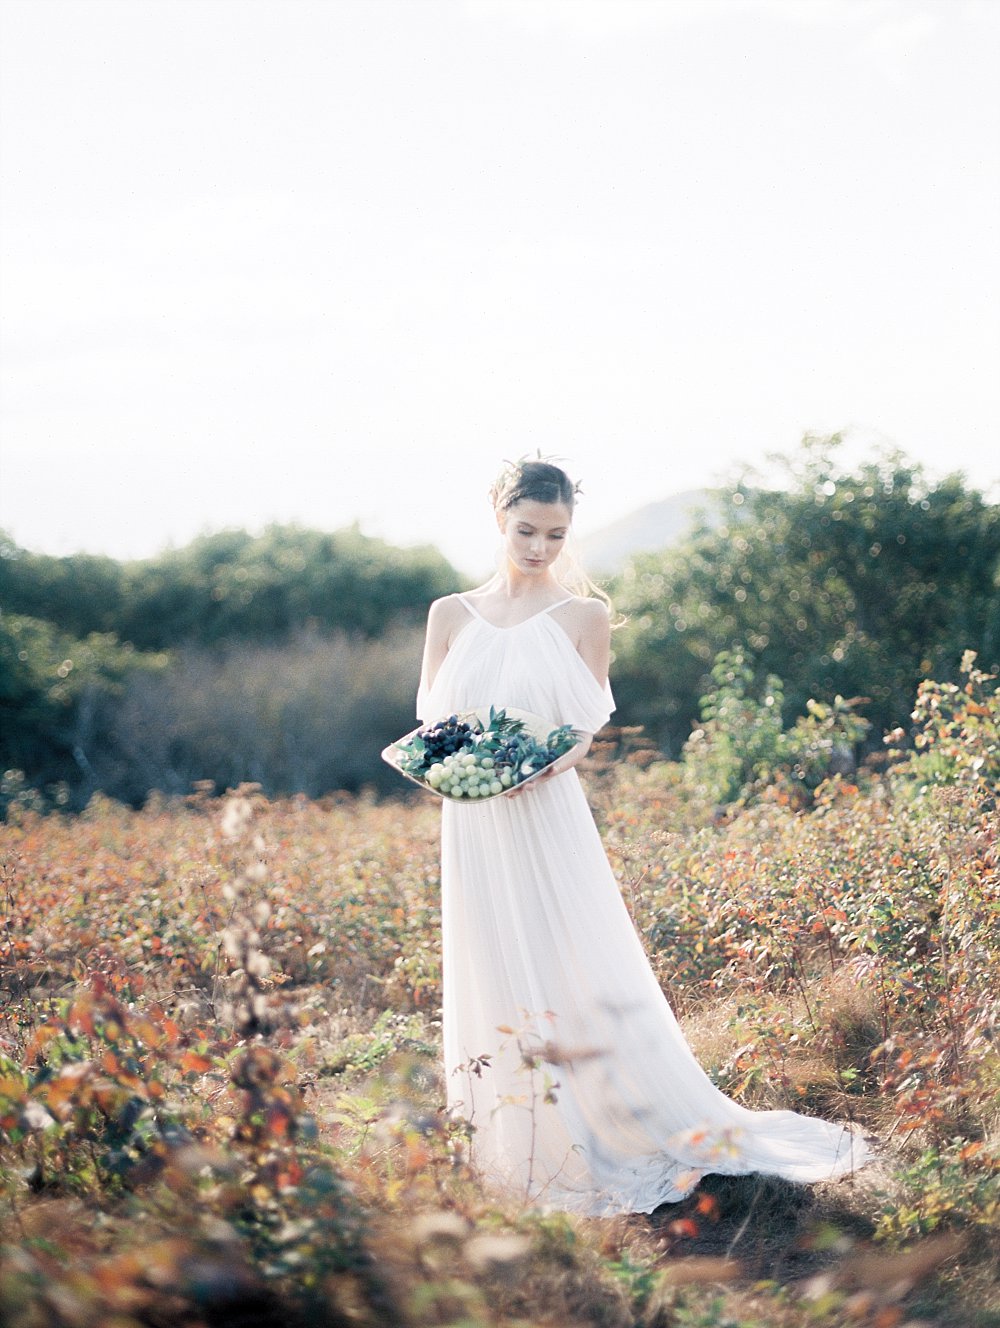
x=474, y=611
x=467, y=603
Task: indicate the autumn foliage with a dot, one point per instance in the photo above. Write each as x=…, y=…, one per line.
x=220, y=1094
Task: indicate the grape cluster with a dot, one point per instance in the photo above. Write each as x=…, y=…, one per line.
x=524, y=754
x=469, y=775
x=445, y=738
x=507, y=754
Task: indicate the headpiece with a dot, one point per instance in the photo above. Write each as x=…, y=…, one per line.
x=532, y=477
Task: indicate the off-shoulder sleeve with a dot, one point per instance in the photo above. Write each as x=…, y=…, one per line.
x=439, y=698
x=428, y=706
x=583, y=702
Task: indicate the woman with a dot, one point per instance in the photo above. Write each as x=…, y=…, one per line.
x=560, y=1049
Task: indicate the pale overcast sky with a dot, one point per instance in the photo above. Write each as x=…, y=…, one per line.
x=314, y=261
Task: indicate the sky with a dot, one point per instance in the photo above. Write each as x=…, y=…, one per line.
x=324, y=262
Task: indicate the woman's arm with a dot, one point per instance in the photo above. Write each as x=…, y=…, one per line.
x=442, y=618
x=593, y=641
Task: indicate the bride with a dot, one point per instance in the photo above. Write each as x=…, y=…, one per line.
x=560, y=1049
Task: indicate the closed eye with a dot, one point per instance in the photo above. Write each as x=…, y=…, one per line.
x=552, y=534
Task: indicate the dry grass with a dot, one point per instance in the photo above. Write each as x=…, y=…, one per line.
x=321, y=1184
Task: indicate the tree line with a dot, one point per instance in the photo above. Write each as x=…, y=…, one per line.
x=229, y=586
x=857, y=583
x=290, y=658
x=285, y=658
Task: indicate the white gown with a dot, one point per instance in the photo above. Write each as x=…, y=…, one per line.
x=591, y=1100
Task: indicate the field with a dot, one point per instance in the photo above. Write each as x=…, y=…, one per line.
x=219, y=1065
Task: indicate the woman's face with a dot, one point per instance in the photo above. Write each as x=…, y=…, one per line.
x=534, y=534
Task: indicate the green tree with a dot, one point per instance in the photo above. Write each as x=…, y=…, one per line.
x=839, y=583
x=230, y=586
x=56, y=697
x=81, y=593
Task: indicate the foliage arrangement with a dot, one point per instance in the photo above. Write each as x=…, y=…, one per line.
x=481, y=755
x=220, y=1094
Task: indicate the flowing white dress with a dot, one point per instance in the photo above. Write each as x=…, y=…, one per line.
x=560, y=1048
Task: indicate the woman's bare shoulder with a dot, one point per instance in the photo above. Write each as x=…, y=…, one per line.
x=585, y=616
x=587, y=609
x=592, y=606
x=447, y=610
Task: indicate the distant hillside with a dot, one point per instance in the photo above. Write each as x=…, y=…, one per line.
x=648, y=528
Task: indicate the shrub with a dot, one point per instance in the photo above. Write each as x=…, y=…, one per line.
x=741, y=747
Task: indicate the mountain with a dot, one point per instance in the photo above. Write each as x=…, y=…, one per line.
x=654, y=526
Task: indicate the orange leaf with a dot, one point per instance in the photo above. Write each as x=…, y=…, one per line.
x=192, y=1062
x=42, y=1037
x=888, y=1317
